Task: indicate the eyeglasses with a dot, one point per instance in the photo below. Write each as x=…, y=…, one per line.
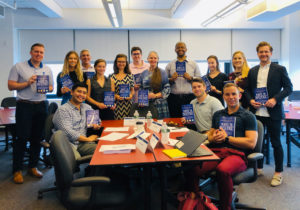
x=121, y=61
x=136, y=54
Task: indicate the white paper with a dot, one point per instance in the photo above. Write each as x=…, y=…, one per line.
x=115, y=148
x=172, y=142
x=142, y=134
x=154, y=140
x=110, y=129
x=129, y=121
x=113, y=136
x=179, y=130
x=142, y=144
x=155, y=126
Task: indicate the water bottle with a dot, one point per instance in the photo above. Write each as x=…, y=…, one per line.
x=164, y=133
x=136, y=116
x=149, y=119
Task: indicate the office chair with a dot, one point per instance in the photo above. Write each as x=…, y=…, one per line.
x=9, y=102
x=82, y=193
x=144, y=110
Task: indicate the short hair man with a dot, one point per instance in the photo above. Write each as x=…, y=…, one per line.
x=87, y=68
x=204, y=106
x=31, y=110
x=71, y=118
x=230, y=149
x=275, y=78
x=181, y=90
x=137, y=67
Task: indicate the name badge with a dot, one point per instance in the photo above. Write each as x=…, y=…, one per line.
x=155, y=126
x=141, y=144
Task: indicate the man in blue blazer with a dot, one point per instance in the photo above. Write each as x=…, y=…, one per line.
x=275, y=79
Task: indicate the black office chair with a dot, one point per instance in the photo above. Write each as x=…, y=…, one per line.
x=144, y=110
x=250, y=174
x=82, y=193
x=9, y=102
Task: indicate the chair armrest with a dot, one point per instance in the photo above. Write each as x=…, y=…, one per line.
x=88, y=181
x=255, y=156
x=84, y=159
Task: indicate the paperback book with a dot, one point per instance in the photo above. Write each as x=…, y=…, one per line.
x=261, y=95
x=228, y=124
x=188, y=113
x=124, y=90
x=109, y=98
x=42, y=83
x=92, y=117
x=137, y=79
x=180, y=68
x=207, y=83
x=143, y=98
x=66, y=81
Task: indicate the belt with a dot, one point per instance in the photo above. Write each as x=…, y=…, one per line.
x=30, y=102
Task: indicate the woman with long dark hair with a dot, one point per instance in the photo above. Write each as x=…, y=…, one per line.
x=121, y=76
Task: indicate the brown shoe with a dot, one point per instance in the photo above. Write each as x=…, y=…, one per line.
x=18, y=177
x=35, y=172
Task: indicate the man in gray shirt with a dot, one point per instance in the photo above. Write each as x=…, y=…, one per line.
x=180, y=72
x=71, y=118
x=204, y=106
x=31, y=109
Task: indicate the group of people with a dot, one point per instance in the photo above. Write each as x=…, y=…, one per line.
x=169, y=89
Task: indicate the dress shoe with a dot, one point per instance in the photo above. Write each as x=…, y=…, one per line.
x=276, y=180
x=35, y=172
x=18, y=177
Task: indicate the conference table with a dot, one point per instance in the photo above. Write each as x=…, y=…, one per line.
x=292, y=118
x=7, y=118
x=144, y=160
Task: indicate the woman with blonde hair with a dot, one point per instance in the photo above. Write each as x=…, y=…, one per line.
x=156, y=81
x=240, y=74
x=71, y=74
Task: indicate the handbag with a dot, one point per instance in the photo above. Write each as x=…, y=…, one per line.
x=194, y=201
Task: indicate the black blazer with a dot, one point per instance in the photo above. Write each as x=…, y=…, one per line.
x=279, y=86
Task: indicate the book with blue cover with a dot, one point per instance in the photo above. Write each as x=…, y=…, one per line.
x=137, y=79
x=124, y=90
x=180, y=68
x=109, y=98
x=89, y=74
x=188, y=113
x=207, y=83
x=261, y=95
x=42, y=83
x=143, y=98
x=92, y=117
x=228, y=124
x=66, y=81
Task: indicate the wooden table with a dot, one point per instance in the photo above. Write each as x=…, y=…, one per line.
x=7, y=118
x=147, y=160
x=292, y=116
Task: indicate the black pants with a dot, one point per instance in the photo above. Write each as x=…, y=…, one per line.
x=30, y=121
x=274, y=129
x=175, y=101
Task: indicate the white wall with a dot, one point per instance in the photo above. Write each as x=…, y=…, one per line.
x=6, y=52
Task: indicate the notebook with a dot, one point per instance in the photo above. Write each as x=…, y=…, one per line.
x=190, y=144
x=174, y=153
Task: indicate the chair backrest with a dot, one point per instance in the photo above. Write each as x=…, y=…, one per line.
x=63, y=160
x=9, y=102
x=144, y=110
x=49, y=127
x=295, y=96
x=260, y=137
x=52, y=108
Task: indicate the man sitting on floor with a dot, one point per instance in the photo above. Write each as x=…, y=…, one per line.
x=71, y=118
x=230, y=148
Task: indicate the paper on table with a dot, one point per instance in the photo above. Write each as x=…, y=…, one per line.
x=122, y=148
x=172, y=142
x=179, y=130
x=113, y=136
x=143, y=135
x=108, y=129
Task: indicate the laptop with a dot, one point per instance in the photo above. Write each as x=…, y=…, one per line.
x=190, y=144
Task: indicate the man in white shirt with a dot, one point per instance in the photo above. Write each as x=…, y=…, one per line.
x=278, y=84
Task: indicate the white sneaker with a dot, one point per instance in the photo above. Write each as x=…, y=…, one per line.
x=276, y=180
x=260, y=172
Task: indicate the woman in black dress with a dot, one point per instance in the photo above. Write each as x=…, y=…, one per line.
x=216, y=78
x=97, y=85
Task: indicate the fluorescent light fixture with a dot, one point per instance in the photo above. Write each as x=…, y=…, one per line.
x=225, y=11
x=114, y=12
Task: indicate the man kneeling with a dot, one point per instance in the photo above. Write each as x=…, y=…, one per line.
x=71, y=118
x=230, y=145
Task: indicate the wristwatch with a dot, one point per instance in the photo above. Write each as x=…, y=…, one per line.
x=227, y=140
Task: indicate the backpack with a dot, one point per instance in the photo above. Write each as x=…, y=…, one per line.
x=194, y=201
